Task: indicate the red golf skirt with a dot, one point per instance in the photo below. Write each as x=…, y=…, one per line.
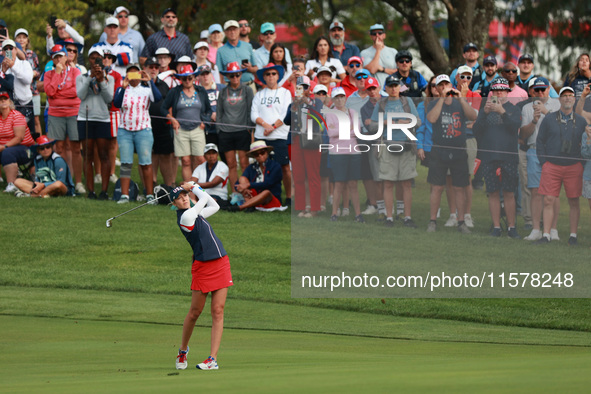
x=211, y=275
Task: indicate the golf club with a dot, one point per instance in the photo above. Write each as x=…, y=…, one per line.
x=133, y=209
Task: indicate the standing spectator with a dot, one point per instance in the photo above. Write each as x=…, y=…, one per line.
x=269, y=108
x=396, y=168
x=163, y=148
x=201, y=51
x=21, y=36
x=166, y=72
x=15, y=138
x=526, y=74
x=322, y=57
x=115, y=117
x=277, y=57
x=471, y=56
x=558, y=147
x=64, y=32
x=299, y=67
x=580, y=75
x=324, y=75
x=490, y=74
x=532, y=115
x=135, y=132
x=95, y=89
x=215, y=40
x=52, y=175
x=176, y=42
x=127, y=34
x=349, y=83
x=496, y=129
x=340, y=49
x=268, y=37
x=586, y=153
x=413, y=80
x=245, y=33
x=448, y=116
x=23, y=77
x=233, y=115
x=123, y=51
x=190, y=108
x=379, y=59
x=64, y=106
x=206, y=81
x=516, y=94
x=212, y=176
x=235, y=50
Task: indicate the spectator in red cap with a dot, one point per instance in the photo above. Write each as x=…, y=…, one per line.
x=52, y=175
x=349, y=83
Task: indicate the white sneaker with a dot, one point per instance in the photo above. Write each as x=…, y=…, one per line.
x=345, y=212
x=151, y=200
x=370, y=210
x=113, y=178
x=534, y=235
x=468, y=220
x=117, y=162
x=208, y=364
x=452, y=221
x=330, y=200
x=140, y=197
x=22, y=194
x=10, y=188
x=98, y=178
x=181, y=359
x=80, y=189
x=124, y=199
x=554, y=235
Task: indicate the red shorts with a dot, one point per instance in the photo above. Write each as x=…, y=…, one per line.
x=274, y=203
x=211, y=275
x=553, y=176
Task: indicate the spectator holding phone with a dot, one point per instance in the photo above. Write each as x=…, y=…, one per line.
x=64, y=32
x=235, y=50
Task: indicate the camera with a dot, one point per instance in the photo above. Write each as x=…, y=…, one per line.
x=566, y=146
x=451, y=93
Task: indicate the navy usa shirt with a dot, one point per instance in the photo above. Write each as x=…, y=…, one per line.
x=205, y=244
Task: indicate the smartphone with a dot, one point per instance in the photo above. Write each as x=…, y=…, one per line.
x=52, y=20
x=297, y=67
x=99, y=61
x=8, y=54
x=4, y=32
x=244, y=61
x=134, y=75
x=494, y=99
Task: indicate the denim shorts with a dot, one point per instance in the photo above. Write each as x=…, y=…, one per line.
x=141, y=141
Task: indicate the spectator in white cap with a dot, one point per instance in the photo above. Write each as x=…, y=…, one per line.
x=268, y=37
x=235, y=50
x=201, y=50
x=215, y=38
x=21, y=36
x=23, y=77
x=127, y=34
x=212, y=176
x=379, y=59
x=340, y=49
x=204, y=36
x=321, y=92
x=322, y=57
x=169, y=37
x=123, y=51
x=166, y=73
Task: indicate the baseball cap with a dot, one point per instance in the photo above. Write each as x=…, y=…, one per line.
x=120, y=9
x=566, y=89
x=204, y=69
x=469, y=46
x=371, y=81
x=58, y=50
x=540, y=82
x=336, y=24
x=204, y=34
x=500, y=84
x=201, y=44
x=392, y=80
x=112, y=21
x=320, y=88
x=531, y=82
x=232, y=23
x=215, y=27
x=162, y=51
x=169, y=9
x=364, y=72
x=377, y=26
x=21, y=31
x=442, y=78
x=151, y=61
x=96, y=50
x=526, y=56
x=209, y=147
x=7, y=43
x=490, y=60
x=323, y=69
x=132, y=65
x=176, y=192
x=267, y=26
x=464, y=69
x=303, y=80
x=354, y=59
x=338, y=91
x=4, y=93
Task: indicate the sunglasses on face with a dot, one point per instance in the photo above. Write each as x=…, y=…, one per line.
x=72, y=50
x=376, y=33
x=259, y=153
x=270, y=74
x=204, y=73
x=356, y=65
x=235, y=75
x=243, y=25
x=170, y=16
x=513, y=71
x=404, y=61
x=122, y=16
x=539, y=90
x=186, y=79
x=42, y=148
x=8, y=48
x=362, y=76
x=268, y=33
x=433, y=85
x=468, y=77
x=321, y=93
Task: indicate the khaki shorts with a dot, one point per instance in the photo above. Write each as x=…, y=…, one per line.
x=398, y=166
x=472, y=150
x=189, y=142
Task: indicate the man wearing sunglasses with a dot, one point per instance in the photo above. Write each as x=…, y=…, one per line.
x=532, y=115
x=340, y=49
x=379, y=59
x=350, y=84
x=177, y=43
x=52, y=175
x=126, y=34
x=245, y=30
x=510, y=73
x=268, y=37
x=413, y=80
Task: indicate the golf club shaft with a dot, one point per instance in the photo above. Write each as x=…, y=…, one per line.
x=138, y=207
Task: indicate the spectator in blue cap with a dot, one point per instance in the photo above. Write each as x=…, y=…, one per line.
x=490, y=73
x=471, y=56
x=215, y=40
x=379, y=59
x=268, y=37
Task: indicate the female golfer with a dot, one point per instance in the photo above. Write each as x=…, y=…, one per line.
x=211, y=269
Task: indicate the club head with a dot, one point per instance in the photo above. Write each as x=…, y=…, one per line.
x=109, y=222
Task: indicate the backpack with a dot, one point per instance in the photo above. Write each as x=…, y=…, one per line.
x=134, y=190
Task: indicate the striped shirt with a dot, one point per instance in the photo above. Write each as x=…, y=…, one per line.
x=134, y=110
x=122, y=50
x=179, y=44
x=14, y=119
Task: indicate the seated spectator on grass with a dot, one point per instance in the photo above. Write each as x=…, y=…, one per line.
x=15, y=138
x=260, y=183
x=212, y=176
x=52, y=174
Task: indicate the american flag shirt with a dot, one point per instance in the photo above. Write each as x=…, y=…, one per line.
x=134, y=109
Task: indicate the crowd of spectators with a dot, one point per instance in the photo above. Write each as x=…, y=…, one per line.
x=230, y=101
